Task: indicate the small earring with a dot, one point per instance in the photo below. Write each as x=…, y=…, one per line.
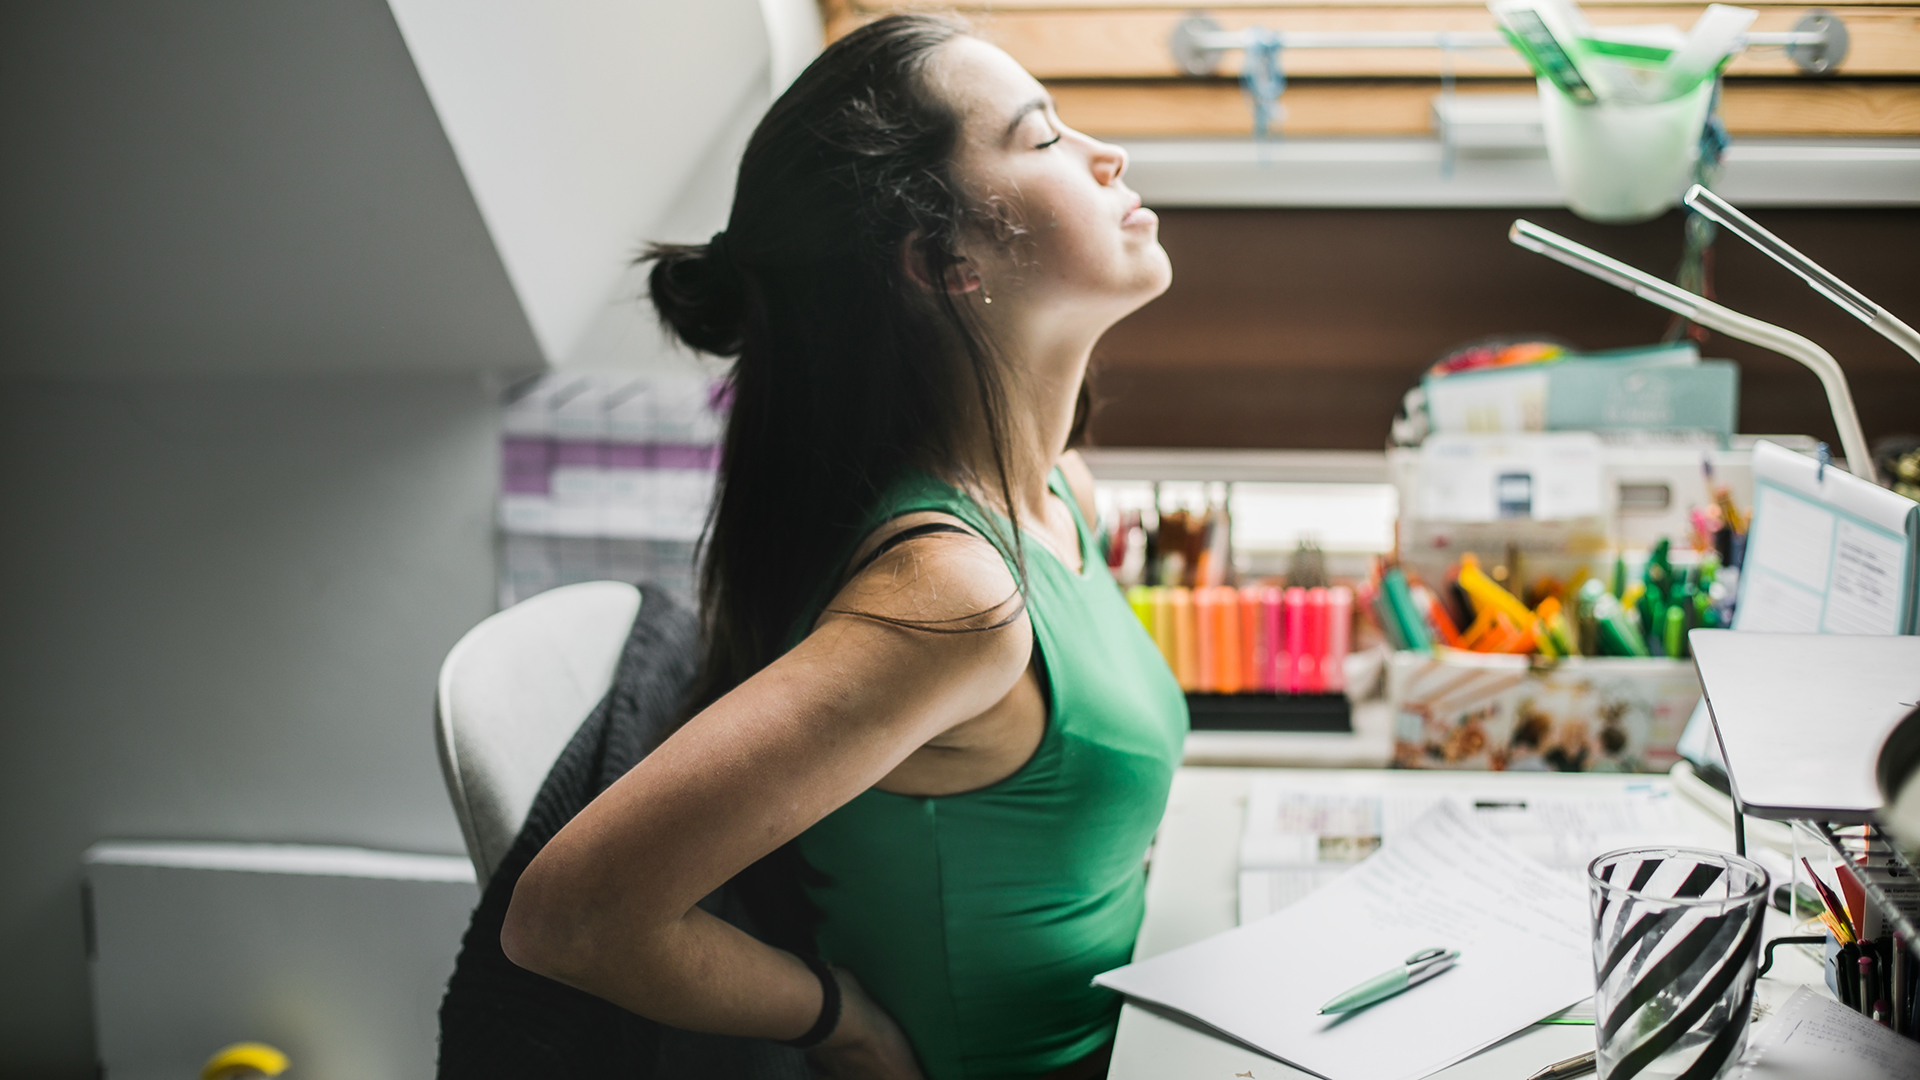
x=983, y=293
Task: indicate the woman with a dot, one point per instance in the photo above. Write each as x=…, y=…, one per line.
x=923, y=695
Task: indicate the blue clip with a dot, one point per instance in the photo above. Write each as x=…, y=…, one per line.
x=1263, y=77
x=1826, y=458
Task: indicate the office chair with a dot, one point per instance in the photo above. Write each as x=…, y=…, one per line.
x=512, y=692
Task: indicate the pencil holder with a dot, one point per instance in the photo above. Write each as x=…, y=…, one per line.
x=1676, y=941
x=1620, y=163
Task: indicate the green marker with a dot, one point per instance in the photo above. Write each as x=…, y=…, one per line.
x=1676, y=631
x=1413, y=971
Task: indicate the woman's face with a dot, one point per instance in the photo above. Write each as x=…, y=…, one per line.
x=1083, y=251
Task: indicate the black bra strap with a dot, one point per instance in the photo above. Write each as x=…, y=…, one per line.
x=912, y=533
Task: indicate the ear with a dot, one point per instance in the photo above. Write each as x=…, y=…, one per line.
x=961, y=277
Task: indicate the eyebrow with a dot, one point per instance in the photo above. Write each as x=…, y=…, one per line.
x=1019, y=114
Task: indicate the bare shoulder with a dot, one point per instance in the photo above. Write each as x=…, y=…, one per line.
x=931, y=568
x=1080, y=481
x=942, y=589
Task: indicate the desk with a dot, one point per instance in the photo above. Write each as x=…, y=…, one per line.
x=1193, y=890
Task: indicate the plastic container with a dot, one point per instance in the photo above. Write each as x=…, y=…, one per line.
x=1620, y=163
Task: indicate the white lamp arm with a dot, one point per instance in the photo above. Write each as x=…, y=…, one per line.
x=1727, y=216
x=1853, y=442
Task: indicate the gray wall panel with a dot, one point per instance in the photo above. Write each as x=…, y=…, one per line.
x=226, y=600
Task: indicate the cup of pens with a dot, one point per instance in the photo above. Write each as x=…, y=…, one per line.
x=1676, y=943
x=1623, y=162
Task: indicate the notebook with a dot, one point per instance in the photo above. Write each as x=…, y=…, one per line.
x=1829, y=553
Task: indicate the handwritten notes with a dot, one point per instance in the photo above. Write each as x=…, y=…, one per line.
x=1446, y=880
x=1304, y=832
x=1816, y=1036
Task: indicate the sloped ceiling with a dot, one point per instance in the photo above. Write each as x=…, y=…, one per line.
x=577, y=122
x=239, y=185
x=235, y=185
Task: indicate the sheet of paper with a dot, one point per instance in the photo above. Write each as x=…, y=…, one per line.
x=1813, y=1037
x=1445, y=880
x=1300, y=836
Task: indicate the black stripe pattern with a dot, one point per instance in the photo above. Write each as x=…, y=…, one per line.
x=1677, y=935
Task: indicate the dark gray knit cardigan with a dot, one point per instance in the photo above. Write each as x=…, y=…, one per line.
x=502, y=1021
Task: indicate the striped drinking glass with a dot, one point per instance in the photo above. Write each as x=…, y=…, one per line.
x=1676, y=939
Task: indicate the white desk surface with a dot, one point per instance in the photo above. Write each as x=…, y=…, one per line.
x=1193, y=890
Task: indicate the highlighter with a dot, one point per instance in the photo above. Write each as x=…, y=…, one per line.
x=1333, y=666
x=1299, y=643
x=1227, y=656
x=1312, y=660
x=1206, y=620
x=1250, y=678
x=1185, y=637
x=1141, y=601
x=1273, y=641
x=1163, y=626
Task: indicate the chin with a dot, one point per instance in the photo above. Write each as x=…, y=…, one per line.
x=1156, y=273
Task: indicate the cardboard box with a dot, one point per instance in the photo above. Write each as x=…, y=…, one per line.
x=1462, y=710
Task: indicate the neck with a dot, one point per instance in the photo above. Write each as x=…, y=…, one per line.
x=1042, y=388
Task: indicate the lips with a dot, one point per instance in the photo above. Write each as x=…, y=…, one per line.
x=1138, y=215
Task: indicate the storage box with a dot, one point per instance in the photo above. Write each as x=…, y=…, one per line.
x=1462, y=710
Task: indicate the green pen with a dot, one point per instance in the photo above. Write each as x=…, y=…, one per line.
x=1413, y=971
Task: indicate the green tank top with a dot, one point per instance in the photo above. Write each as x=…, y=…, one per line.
x=979, y=919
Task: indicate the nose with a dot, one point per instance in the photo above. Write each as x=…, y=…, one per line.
x=1109, y=162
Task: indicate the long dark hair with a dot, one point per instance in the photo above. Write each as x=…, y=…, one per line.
x=849, y=374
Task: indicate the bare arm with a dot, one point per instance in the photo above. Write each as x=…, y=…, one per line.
x=609, y=905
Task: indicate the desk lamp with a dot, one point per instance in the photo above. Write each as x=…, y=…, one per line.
x=1724, y=319
x=1722, y=213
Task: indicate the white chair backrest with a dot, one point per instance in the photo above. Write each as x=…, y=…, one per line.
x=512, y=693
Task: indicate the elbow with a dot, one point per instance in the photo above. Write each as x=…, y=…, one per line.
x=543, y=932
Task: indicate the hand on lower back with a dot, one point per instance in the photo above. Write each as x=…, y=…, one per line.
x=867, y=1045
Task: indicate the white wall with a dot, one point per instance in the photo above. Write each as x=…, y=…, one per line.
x=226, y=601
x=624, y=334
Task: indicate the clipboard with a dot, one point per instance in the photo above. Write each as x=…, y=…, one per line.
x=1829, y=553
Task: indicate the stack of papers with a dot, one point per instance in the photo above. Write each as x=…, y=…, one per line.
x=1301, y=834
x=1446, y=880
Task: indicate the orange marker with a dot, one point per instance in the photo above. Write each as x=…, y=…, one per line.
x=1226, y=640
x=1443, y=622
x=1206, y=619
x=1163, y=626
x=1186, y=638
x=1250, y=639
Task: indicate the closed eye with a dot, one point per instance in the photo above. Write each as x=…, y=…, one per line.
x=1049, y=142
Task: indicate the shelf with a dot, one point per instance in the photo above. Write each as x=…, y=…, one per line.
x=1408, y=172
x=1267, y=466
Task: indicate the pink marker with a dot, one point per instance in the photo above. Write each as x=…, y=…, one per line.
x=1333, y=671
x=1299, y=641
x=1273, y=643
x=1307, y=660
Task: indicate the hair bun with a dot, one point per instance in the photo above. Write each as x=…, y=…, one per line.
x=698, y=291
